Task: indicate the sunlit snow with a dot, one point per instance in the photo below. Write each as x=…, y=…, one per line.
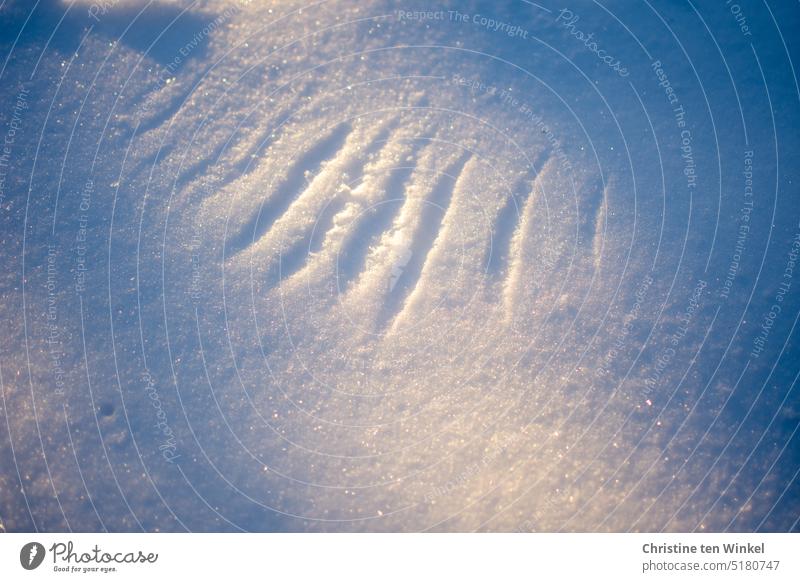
x=344, y=266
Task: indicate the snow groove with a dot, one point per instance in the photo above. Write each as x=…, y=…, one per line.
x=509, y=221
x=406, y=274
x=296, y=181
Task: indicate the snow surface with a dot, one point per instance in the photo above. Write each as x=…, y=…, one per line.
x=341, y=266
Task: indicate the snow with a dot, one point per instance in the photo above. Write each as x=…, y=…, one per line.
x=331, y=267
